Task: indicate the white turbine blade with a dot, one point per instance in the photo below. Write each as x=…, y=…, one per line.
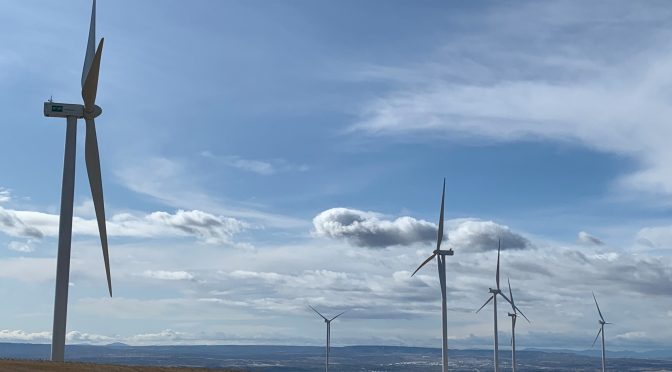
x=499, y=246
x=598, y=307
x=521, y=313
x=338, y=315
x=506, y=298
x=92, y=158
x=439, y=237
x=90, y=86
x=486, y=302
x=513, y=304
x=598, y=335
x=91, y=45
x=318, y=313
x=424, y=263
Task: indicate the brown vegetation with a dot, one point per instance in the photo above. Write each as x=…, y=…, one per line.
x=44, y=366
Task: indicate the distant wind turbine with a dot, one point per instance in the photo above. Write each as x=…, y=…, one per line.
x=514, y=316
x=72, y=112
x=493, y=298
x=441, y=261
x=328, y=347
x=601, y=331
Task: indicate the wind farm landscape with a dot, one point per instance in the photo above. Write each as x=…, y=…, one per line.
x=272, y=186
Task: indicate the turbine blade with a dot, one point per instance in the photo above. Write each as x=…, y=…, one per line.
x=95, y=181
x=318, y=313
x=439, y=237
x=486, y=302
x=90, y=86
x=90, y=45
x=424, y=263
x=521, y=313
x=338, y=315
x=506, y=298
x=598, y=307
x=513, y=304
x=598, y=335
x=499, y=246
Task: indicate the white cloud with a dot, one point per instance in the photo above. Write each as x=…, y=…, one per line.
x=24, y=247
x=204, y=226
x=370, y=230
x=167, y=275
x=264, y=168
x=171, y=182
x=7, y=335
x=474, y=235
x=12, y=224
x=606, y=99
x=586, y=238
x=5, y=195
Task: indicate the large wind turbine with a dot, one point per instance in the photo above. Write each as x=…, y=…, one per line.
x=493, y=298
x=602, y=323
x=72, y=112
x=514, y=317
x=441, y=261
x=328, y=347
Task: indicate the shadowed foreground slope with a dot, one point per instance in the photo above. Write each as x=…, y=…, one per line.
x=43, y=366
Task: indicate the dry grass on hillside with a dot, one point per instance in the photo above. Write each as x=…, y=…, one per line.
x=43, y=366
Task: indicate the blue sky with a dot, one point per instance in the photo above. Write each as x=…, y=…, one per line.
x=256, y=154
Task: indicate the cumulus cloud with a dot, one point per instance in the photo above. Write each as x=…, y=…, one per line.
x=586, y=238
x=206, y=227
x=12, y=224
x=7, y=335
x=474, y=235
x=370, y=229
x=167, y=275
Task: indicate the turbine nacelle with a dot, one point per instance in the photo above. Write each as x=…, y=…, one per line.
x=63, y=110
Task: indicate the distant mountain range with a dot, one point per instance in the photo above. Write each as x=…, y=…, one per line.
x=350, y=358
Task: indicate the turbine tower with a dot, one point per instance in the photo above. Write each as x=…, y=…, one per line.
x=441, y=261
x=514, y=317
x=493, y=298
x=602, y=323
x=73, y=112
x=328, y=321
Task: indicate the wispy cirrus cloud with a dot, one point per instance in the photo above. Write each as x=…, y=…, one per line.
x=262, y=167
x=603, y=98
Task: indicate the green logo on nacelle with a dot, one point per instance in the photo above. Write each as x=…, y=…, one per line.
x=55, y=108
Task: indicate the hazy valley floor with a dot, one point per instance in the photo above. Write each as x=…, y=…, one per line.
x=308, y=358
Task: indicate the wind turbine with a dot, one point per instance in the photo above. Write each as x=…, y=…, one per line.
x=514, y=316
x=441, y=261
x=328, y=321
x=72, y=112
x=493, y=298
x=602, y=323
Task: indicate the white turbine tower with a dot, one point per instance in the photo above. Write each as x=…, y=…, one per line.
x=328, y=347
x=601, y=331
x=514, y=317
x=493, y=298
x=441, y=261
x=72, y=112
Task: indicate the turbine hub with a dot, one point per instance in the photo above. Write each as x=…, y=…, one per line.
x=92, y=113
